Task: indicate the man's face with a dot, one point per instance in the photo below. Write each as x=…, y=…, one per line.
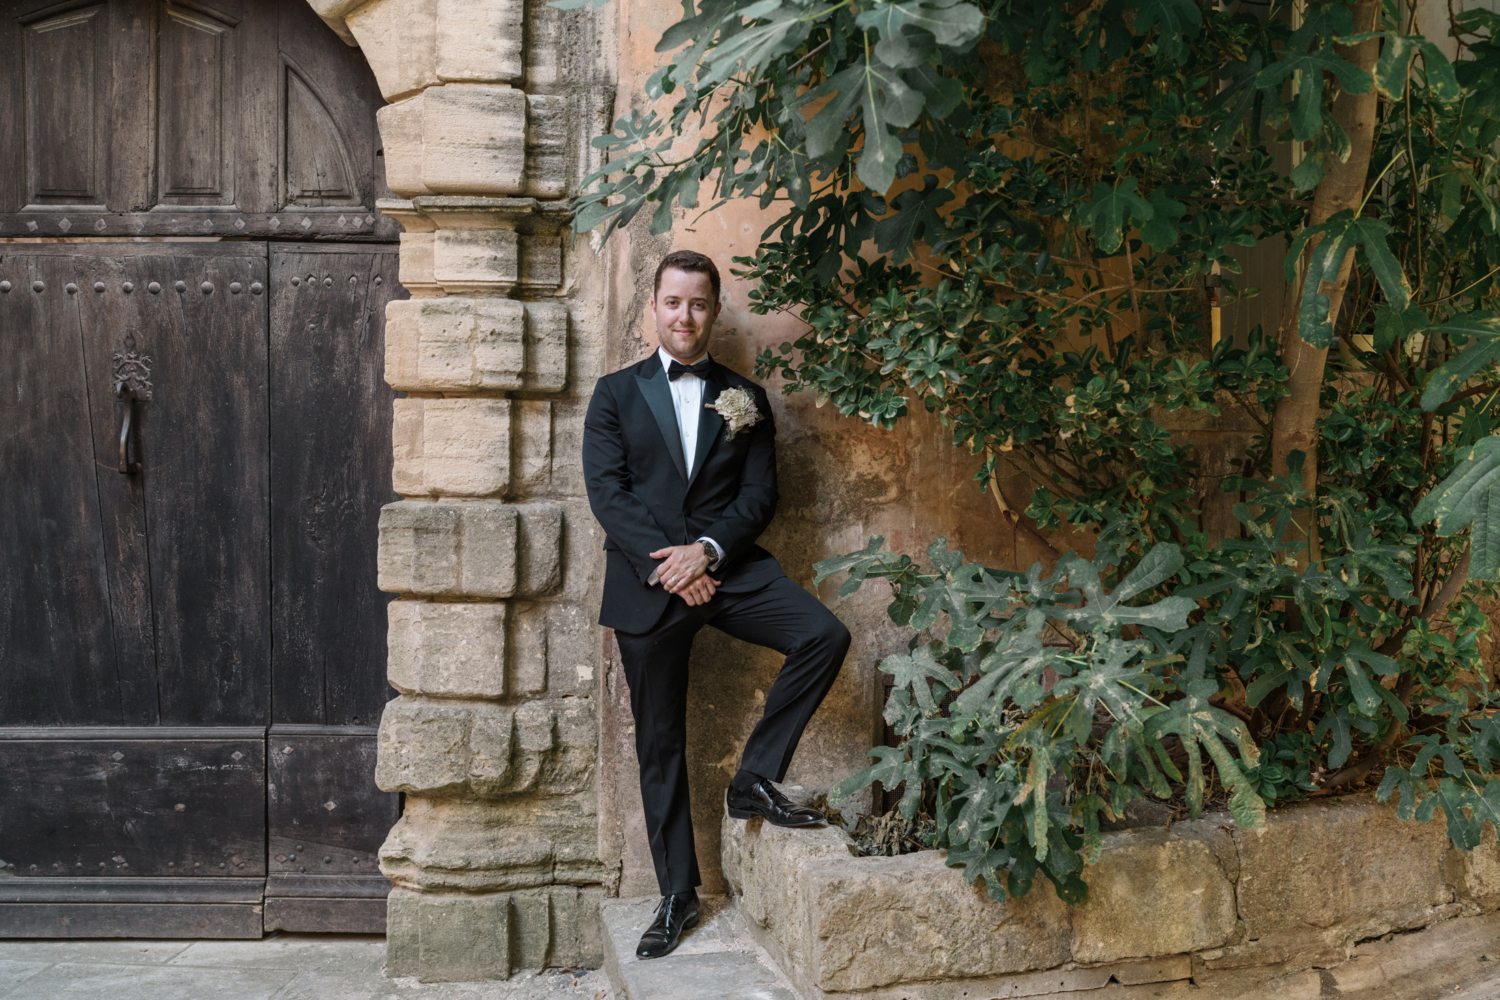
x=685, y=310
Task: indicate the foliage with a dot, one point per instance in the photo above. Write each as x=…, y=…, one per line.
x=1018, y=217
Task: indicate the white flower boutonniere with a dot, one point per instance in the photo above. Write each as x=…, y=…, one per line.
x=738, y=409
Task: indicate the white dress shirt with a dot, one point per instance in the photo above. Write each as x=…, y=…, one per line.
x=687, y=403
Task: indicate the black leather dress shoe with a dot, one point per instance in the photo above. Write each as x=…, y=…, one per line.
x=765, y=800
x=674, y=914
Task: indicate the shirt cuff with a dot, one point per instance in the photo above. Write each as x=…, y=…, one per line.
x=719, y=559
x=654, y=578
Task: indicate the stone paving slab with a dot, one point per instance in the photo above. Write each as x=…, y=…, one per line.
x=75, y=981
x=281, y=967
x=715, y=961
x=299, y=953
x=13, y=974
x=110, y=952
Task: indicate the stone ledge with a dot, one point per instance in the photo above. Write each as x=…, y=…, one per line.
x=1319, y=879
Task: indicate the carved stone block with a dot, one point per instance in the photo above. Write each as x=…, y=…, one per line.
x=399, y=40
x=474, y=139
x=546, y=345
x=477, y=260
x=459, y=343
x=451, y=447
x=553, y=648
x=443, y=748
x=484, y=750
x=400, y=127
x=432, y=938
x=448, y=549
x=448, y=938
x=512, y=843
x=469, y=549
x=480, y=42
x=455, y=344
x=546, y=146
x=448, y=650
x=416, y=264
x=531, y=442
x=539, y=558
x=541, y=263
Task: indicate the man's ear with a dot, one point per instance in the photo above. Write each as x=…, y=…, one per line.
x=717, y=307
x=653, y=307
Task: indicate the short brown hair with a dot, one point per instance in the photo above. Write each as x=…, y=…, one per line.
x=691, y=261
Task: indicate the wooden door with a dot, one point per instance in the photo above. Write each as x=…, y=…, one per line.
x=330, y=475
x=192, y=651
x=219, y=593
x=132, y=758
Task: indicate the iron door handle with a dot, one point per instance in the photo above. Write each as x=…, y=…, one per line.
x=126, y=396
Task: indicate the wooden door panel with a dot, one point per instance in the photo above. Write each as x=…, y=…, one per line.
x=326, y=822
x=220, y=117
x=57, y=660
x=196, y=108
x=327, y=819
x=64, y=59
x=131, y=803
x=330, y=475
x=202, y=446
x=111, y=318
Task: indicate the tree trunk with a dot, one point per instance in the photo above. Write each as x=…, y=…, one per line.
x=1343, y=188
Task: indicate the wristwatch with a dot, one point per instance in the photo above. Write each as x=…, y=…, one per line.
x=710, y=551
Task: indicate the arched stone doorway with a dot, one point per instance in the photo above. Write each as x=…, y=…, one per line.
x=197, y=445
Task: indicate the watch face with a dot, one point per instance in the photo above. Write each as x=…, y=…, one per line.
x=708, y=550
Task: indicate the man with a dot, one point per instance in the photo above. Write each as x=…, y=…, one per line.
x=682, y=494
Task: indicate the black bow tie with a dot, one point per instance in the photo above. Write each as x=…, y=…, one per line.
x=677, y=369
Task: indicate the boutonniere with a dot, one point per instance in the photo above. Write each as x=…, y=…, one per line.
x=737, y=407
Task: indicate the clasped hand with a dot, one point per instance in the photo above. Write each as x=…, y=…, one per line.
x=685, y=573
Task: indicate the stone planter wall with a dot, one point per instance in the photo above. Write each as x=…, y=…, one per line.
x=1203, y=895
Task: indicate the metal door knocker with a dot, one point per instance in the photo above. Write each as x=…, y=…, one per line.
x=132, y=384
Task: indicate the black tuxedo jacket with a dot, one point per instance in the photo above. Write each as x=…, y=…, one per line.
x=646, y=498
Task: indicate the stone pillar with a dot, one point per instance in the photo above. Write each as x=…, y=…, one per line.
x=494, y=739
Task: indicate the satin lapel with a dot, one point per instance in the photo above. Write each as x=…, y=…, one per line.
x=709, y=426
x=659, y=398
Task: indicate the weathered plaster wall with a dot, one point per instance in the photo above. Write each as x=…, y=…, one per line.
x=841, y=482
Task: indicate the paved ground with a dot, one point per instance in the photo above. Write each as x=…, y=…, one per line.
x=715, y=961
x=281, y=967
x=1457, y=958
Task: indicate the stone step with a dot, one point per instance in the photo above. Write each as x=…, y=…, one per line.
x=717, y=960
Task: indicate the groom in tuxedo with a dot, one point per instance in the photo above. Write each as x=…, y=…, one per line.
x=682, y=499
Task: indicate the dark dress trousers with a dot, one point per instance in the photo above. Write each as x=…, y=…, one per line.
x=646, y=498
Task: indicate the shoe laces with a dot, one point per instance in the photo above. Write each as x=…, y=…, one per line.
x=666, y=904
x=776, y=795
